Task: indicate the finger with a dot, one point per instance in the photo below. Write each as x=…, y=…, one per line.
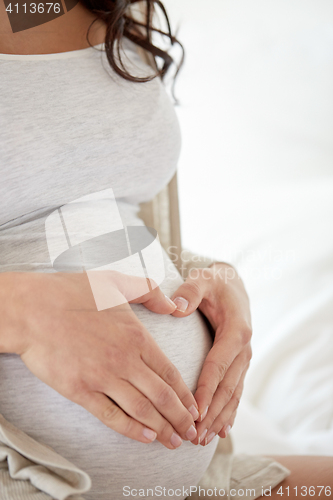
x=226, y=388
x=114, y=417
x=144, y=291
x=157, y=361
x=136, y=405
x=156, y=301
x=215, y=367
x=165, y=400
x=226, y=414
x=190, y=294
x=224, y=393
x=227, y=428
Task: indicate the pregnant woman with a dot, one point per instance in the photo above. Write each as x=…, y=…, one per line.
x=112, y=390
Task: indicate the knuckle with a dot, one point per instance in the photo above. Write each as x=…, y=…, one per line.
x=246, y=334
x=184, y=421
x=217, y=423
x=165, y=431
x=129, y=429
x=220, y=367
x=113, y=276
x=111, y=413
x=117, y=357
x=197, y=273
x=249, y=354
x=170, y=375
x=153, y=284
x=143, y=408
x=211, y=418
x=75, y=387
x=236, y=401
x=164, y=396
x=228, y=391
x=138, y=337
x=192, y=287
x=232, y=418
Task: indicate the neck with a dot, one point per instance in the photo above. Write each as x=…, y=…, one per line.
x=67, y=32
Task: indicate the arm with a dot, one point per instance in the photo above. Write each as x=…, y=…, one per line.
x=105, y=361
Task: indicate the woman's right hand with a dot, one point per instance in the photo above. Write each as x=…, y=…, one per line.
x=105, y=361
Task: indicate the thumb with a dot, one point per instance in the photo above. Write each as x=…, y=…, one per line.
x=188, y=296
x=155, y=300
x=132, y=289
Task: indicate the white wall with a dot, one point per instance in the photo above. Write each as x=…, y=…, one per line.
x=257, y=104
x=256, y=189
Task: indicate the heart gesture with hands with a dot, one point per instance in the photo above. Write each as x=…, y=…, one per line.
x=105, y=361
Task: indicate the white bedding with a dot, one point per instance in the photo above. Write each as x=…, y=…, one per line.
x=288, y=399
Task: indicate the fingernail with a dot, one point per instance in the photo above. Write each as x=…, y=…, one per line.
x=181, y=303
x=227, y=430
x=175, y=440
x=203, y=415
x=202, y=437
x=191, y=433
x=149, y=434
x=210, y=437
x=194, y=412
x=170, y=302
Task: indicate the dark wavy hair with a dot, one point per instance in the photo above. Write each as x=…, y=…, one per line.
x=120, y=22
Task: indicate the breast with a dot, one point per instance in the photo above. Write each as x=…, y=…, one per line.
x=107, y=133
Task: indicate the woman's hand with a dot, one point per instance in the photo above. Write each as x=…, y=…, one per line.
x=220, y=295
x=105, y=361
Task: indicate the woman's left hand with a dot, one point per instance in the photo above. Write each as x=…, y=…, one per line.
x=219, y=293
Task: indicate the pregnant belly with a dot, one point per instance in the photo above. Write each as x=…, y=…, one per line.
x=115, y=463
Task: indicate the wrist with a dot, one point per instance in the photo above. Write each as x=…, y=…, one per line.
x=224, y=270
x=11, y=318
x=229, y=286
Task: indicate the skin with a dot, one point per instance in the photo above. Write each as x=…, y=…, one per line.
x=308, y=475
x=219, y=293
x=26, y=317
x=66, y=33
